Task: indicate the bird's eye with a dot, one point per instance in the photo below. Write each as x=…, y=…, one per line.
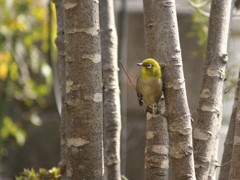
x=149, y=66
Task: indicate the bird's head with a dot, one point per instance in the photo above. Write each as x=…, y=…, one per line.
x=150, y=68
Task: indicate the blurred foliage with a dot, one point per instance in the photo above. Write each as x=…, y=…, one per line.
x=231, y=80
x=124, y=177
x=25, y=72
x=200, y=24
x=237, y=4
x=42, y=174
x=200, y=19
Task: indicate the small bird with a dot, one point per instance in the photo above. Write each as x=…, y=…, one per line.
x=149, y=85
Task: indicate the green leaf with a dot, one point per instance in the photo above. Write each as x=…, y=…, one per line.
x=10, y=129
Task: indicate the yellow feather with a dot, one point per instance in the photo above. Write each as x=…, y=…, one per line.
x=149, y=83
x=154, y=72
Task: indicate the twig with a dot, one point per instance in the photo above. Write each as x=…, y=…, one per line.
x=127, y=74
x=198, y=6
x=217, y=166
x=223, y=164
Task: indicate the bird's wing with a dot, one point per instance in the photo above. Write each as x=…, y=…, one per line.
x=140, y=99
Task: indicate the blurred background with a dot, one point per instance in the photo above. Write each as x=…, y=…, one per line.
x=29, y=119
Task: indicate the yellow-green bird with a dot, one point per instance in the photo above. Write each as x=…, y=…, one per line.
x=149, y=84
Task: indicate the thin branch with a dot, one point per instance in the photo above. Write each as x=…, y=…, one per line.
x=216, y=166
x=127, y=75
x=228, y=89
x=198, y=6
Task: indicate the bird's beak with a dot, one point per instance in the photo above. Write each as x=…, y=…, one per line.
x=139, y=64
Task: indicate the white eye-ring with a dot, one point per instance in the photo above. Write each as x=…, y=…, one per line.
x=149, y=66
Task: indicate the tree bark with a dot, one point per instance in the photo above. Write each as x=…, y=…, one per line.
x=214, y=161
x=111, y=102
x=210, y=105
x=156, y=150
x=122, y=48
x=83, y=99
x=61, y=77
x=235, y=163
x=161, y=19
x=228, y=145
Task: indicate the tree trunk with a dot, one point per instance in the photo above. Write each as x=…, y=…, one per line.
x=235, y=164
x=214, y=161
x=228, y=145
x=160, y=18
x=111, y=102
x=210, y=105
x=156, y=150
x=61, y=76
x=83, y=99
x=122, y=48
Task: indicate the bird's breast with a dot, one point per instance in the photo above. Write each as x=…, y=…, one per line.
x=151, y=89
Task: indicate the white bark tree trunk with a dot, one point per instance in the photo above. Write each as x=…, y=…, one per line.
x=162, y=21
x=228, y=145
x=83, y=100
x=234, y=173
x=156, y=150
x=111, y=93
x=210, y=105
x=61, y=77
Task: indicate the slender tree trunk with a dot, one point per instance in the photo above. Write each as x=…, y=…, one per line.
x=61, y=77
x=122, y=48
x=111, y=102
x=83, y=99
x=156, y=150
x=228, y=145
x=234, y=173
x=163, y=22
x=210, y=105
